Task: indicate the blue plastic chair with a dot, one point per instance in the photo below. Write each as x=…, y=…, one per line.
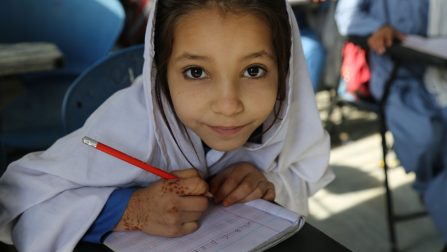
x=85, y=31
x=98, y=83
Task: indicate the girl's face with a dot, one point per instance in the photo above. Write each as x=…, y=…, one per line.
x=222, y=75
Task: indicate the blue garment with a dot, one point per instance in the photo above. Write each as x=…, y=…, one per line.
x=110, y=215
x=314, y=51
x=418, y=124
x=419, y=129
x=315, y=55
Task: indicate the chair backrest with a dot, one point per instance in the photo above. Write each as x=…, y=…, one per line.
x=98, y=83
x=85, y=31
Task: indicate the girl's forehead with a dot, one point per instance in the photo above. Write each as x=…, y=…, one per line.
x=207, y=24
x=216, y=13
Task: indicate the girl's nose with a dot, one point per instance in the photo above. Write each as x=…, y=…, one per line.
x=227, y=100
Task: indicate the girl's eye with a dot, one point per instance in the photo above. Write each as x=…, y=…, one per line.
x=254, y=72
x=195, y=73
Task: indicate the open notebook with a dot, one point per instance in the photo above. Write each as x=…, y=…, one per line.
x=253, y=226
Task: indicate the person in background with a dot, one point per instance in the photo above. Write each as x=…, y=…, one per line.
x=314, y=50
x=417, y=122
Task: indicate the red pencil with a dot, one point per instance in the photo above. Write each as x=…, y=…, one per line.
x=131, y=160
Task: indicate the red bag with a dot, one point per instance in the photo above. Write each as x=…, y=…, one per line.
x=355, y=70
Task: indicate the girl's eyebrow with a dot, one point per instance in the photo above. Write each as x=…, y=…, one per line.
x=259, y=54
x=190, y=56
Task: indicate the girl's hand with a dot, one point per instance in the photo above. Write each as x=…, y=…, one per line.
x=383, y=38
x=167, y=207
x=241, y=182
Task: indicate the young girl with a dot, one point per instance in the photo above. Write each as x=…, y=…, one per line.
x=224, y=103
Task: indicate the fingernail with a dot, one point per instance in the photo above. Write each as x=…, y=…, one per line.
x=226, y=203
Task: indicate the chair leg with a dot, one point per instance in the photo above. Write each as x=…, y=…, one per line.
x=331, y=107
x=329, y=123
x=383, y=129
x=388, y=194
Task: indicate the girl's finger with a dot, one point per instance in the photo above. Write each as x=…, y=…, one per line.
x=189, y=227
x=171, y=230
x=257, y=193
x=264, y=190
x=249, y=185
x=270, y=194
x=186, y=173
x=217, y=182
x=179, y=230
x=190, y=216
x=228, y=186
x=193, y=204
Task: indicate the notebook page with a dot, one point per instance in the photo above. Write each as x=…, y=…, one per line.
x=275, y=210
x=239, y=227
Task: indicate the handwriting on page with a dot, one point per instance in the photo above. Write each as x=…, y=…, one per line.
x=236, y=228
x=215, y=243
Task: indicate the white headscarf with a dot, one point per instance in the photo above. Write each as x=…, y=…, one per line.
x=435, y=78
x=49, y=199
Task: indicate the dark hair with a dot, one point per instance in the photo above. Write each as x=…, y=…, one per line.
x=168, y=12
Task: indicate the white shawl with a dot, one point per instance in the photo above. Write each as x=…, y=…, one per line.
x=435, y=78
x=48, y=200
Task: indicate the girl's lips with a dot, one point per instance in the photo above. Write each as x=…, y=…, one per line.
x=227, y=131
